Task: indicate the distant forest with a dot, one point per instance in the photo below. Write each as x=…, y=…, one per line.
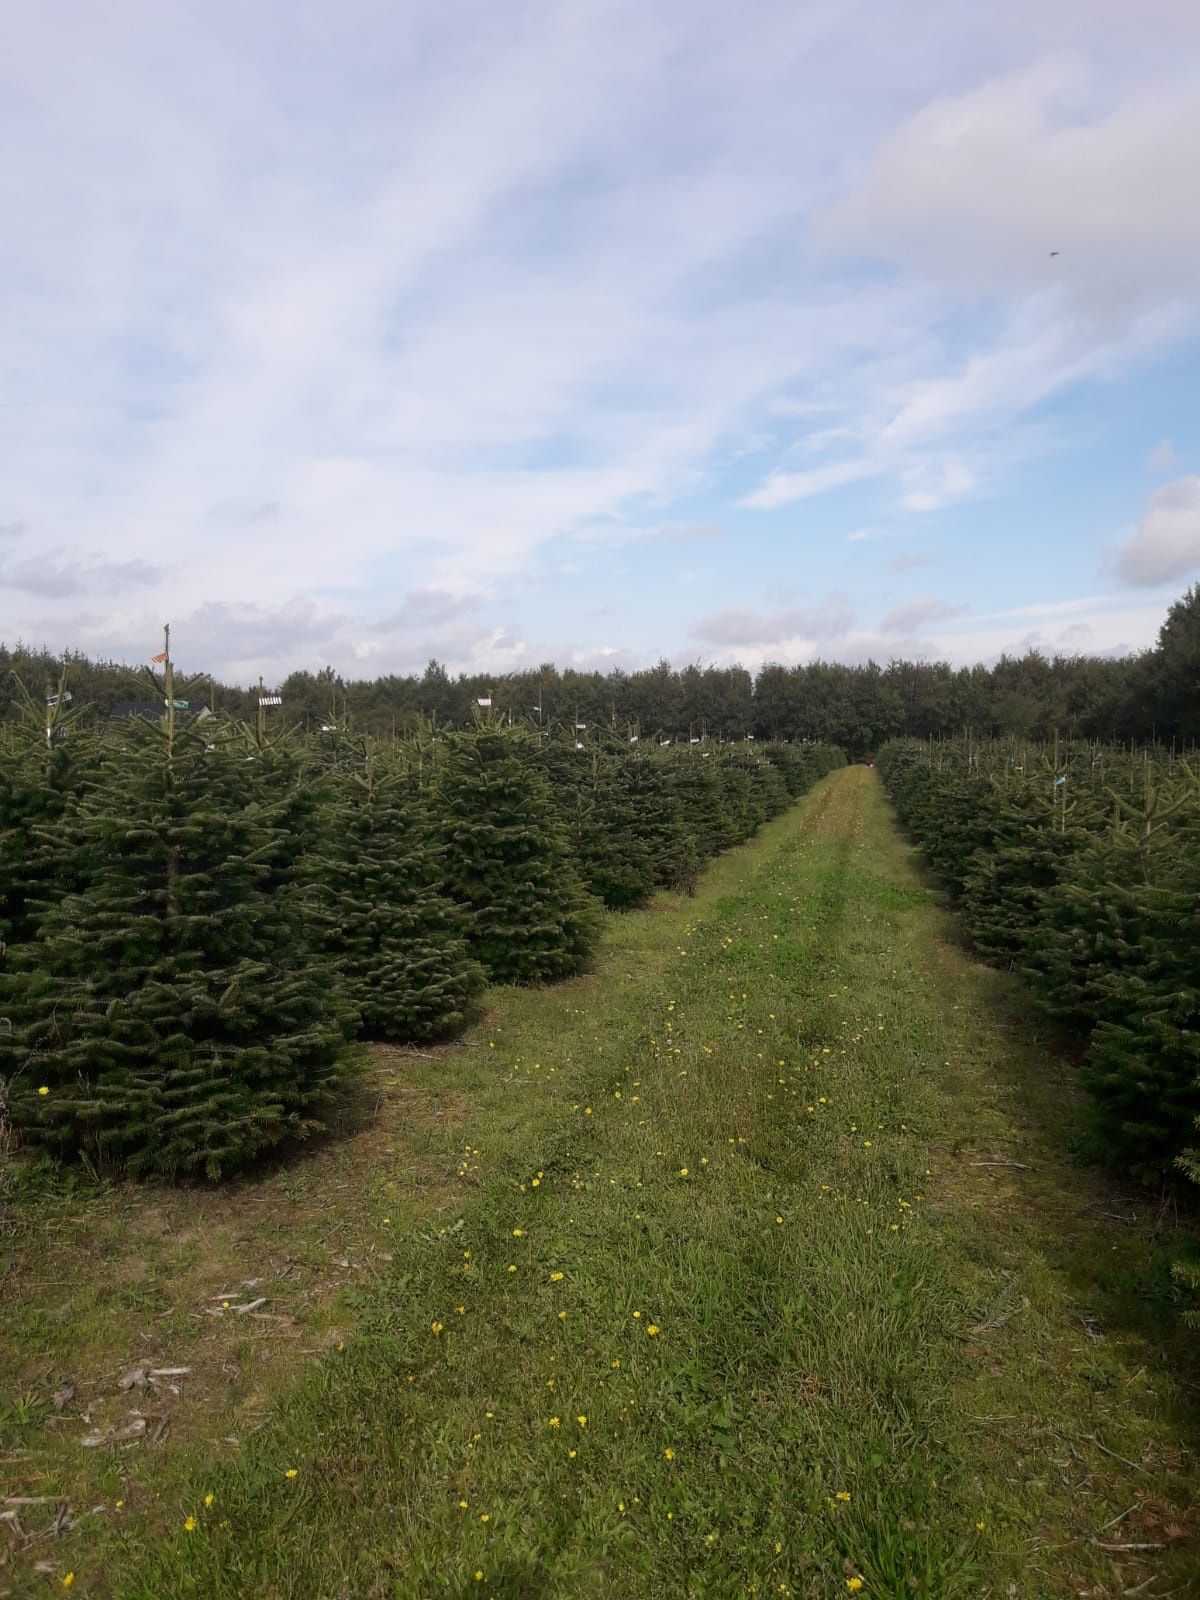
x=1154, y=695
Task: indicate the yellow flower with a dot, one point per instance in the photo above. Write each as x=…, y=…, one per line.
x=653, y=1329
x=637, y=1313
x=582, y=1421
x=208, y=1499
x=980, y=1526
x=571, y=1454
x=436, y=1326
x=42, y=1089
x=518, y=1234
x=556, y=1277
x=555, y=1422
x=68, y=1578
x=479, y=1571
x=291, y=1472
x=854, y=1584
x=462, y=1310
x=669, y=1453
x=189, y=1524
x=463, y=1505
x=486, y=1517
x=843, y=1496
x=683, y=1172
x=512, y=1269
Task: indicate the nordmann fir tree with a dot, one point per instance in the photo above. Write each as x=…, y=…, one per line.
x=600, y=819
x=171, y=1019
x=46, y=758
x=660, y=823
x=506, y=862
x=372, y=901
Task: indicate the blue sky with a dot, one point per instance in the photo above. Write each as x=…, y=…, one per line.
x=597, y=332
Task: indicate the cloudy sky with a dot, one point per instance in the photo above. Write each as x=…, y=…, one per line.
x=366, y=332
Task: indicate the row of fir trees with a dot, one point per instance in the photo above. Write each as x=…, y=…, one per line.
x=200, y=916
x=1079, y=865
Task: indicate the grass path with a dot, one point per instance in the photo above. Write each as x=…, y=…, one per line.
x=715, y=1295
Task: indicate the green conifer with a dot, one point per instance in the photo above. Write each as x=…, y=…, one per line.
x=506, y=863
x=373, y=904
x=170, y=1017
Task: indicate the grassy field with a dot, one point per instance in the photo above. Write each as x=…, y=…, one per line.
x=750, y=1264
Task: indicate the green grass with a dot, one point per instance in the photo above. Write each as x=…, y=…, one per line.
x=754, y=1128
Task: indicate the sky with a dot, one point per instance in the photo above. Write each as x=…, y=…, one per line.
x=597, y=332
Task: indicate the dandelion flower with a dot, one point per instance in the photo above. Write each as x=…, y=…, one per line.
x=44, y=1089
x=683, y=1172
x=486, y=1517
x=555, y=1422
x=518, y=1233
x=436, y=1326
x=479, y=1570
x=68, y=1578
x=854, y=1584
x=582, y=1421
x=669, y=1453
x=843, y=1496
x=463, y=1505
x=653, y=1329
x=980, y=1526
x=208, y=1499
x=291, y=1472
x=556, y=1277
x=189, y=1524
x=512, y=1268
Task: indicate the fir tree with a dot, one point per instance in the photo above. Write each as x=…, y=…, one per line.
x=46, y=759
x=506, y=864
x=646, y=779
x=373, y=904
x=703, y=801
x=169, y=1017
x=601, y=820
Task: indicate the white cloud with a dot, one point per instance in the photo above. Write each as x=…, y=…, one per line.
x=738, y=625
x=916, y=613
x=781, y=488
x=67, y=572
x=1167, y=543
x=977, y=189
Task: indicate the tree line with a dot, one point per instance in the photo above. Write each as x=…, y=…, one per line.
x=1151, y=696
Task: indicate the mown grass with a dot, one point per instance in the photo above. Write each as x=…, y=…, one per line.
x=708, y=1296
